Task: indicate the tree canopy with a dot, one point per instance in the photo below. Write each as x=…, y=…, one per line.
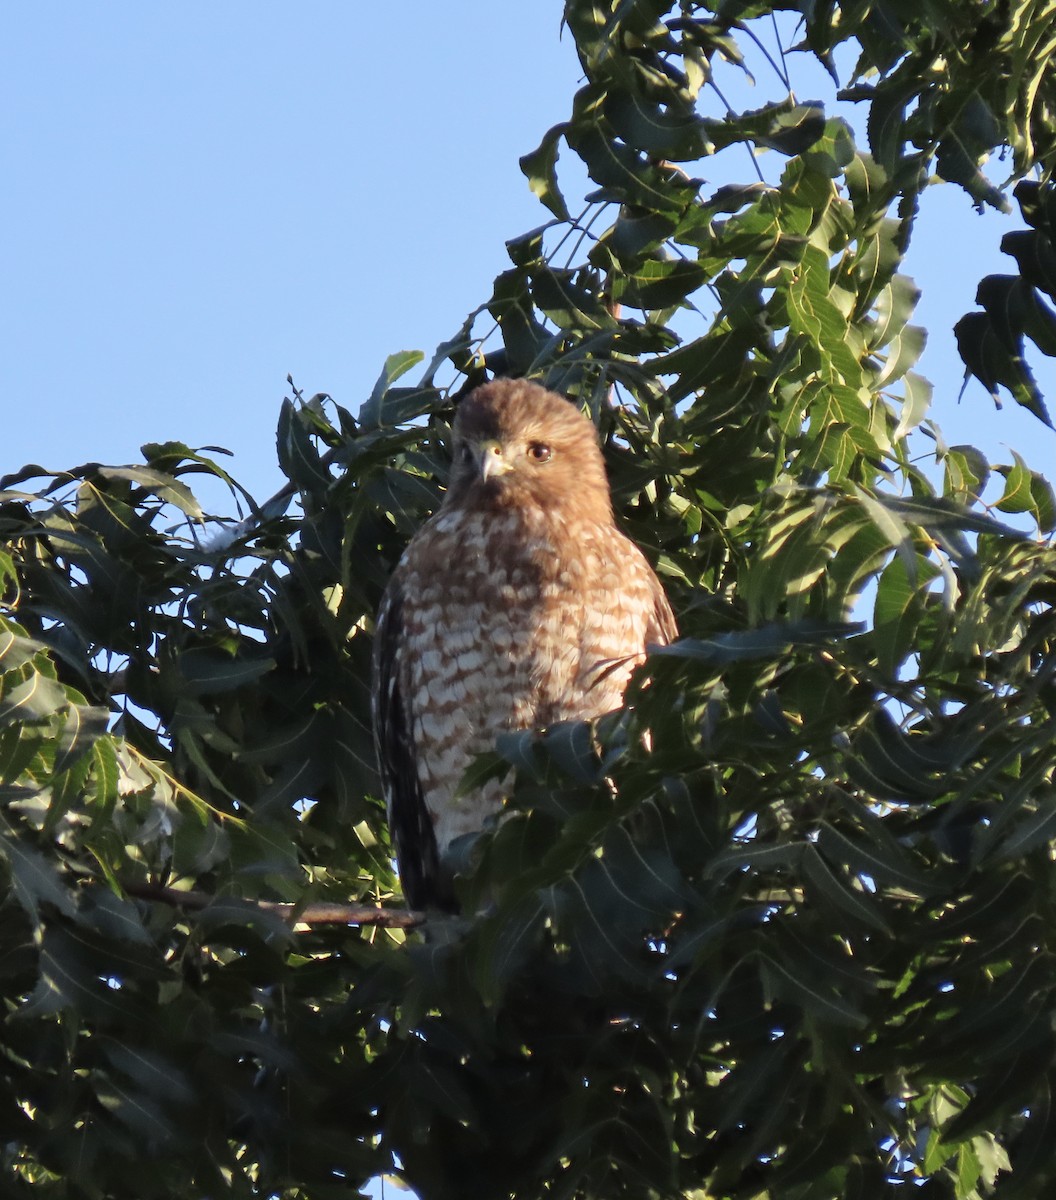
x=798, y=942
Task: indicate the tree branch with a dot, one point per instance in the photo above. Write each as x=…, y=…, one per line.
x=308, y=914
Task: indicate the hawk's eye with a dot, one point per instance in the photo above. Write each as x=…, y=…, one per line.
x=539, y=452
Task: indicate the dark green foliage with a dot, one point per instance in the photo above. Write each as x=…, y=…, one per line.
x=782, y=930
x=1015, y=308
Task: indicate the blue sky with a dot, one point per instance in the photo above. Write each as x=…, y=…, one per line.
x=207, y=197
x=203, y=198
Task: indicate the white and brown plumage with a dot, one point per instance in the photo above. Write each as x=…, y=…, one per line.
x=517, y=605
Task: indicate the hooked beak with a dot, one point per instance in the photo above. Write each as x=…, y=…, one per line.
x=490, y=459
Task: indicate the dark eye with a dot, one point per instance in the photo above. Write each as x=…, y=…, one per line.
x=539, y=452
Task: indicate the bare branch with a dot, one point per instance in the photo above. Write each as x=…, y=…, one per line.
x=308, y=914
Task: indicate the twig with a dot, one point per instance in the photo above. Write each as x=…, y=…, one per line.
x=308, y=914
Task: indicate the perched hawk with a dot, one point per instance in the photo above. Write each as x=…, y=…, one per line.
x=517, y=605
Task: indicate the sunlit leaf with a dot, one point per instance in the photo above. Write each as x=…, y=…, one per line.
x=539, y=169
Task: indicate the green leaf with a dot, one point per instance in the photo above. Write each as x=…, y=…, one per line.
x=375, y=412
x=142, y=1114
x=987, y=357
x=16, y=648
x=897, y=612
x=32, y=700
x=207, y=672
x=105, y=776
x=158, y=483
x=151, y=1071
x=747, y=645
x=299, y=459
x=918, y=392
x=821, y=1002
x=1037, y=829
x=1043, y=502
x=198, y=845
x=967, y=473
x=882, y=861
x=540, y=169
x=503, y=945
x=660, y=284
x=73, y=979
x=83, y=727
x=853, y=903
x=19, y=746
x=35, y=878
x=957, y=164
x=1018, y=494
x=570, y=745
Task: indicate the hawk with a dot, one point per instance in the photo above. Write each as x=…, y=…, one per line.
x=519, y=604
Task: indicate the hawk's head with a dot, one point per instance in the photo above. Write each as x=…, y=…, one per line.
x=516, y=444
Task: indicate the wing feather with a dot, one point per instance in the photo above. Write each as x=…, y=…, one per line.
x=409, y=823
x=662, y=627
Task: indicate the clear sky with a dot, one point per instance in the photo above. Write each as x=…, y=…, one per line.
x=201, y=198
